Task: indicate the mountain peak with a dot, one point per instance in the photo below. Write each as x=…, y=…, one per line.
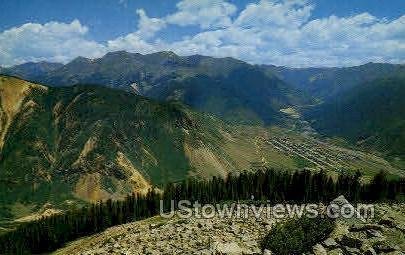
x=165, y=53
x=119, y=53
x=81, y=59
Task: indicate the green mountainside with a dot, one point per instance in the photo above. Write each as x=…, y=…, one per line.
x=327, y=83
x=89, y=143
x=60, y=146
x=371, y=115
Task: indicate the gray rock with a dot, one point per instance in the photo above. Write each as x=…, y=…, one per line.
x=267, y=252
x=155, y=225
x=340, y=201
x=231, y=248
x=336, y=251
x=330, y=243
x=318, y=249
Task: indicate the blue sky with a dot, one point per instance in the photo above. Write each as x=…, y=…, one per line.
x=291, y=32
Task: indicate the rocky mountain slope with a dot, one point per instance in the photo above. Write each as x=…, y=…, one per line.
x=385, y=234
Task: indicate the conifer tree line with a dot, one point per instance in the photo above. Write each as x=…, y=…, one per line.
x=50, y=233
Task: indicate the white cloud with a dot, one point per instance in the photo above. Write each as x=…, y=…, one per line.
x=272, y=32
x=148, y=27
x=282, y=33
x=133, y=43
x=123, y=2
x=274, y=14
x=205, y=13
x=52, y=41
x=138, y=41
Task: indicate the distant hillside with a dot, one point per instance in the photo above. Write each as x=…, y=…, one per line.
x=227, y=87
x=91, y=142
x=325, y=83
x=371, y=115
x=96, y=141
x=33, y=71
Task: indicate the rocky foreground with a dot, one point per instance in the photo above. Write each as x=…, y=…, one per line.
x=385, y=234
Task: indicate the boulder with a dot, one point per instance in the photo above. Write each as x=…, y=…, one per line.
x=231, y=248
x=341, y=201
x=318, y=249
x=267, y=252
x=155, y=225
x=330, y=243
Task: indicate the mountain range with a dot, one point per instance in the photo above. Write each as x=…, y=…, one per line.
x=94, y=129
x=226, y=87
x=327, y=83
x=371, y=115
x=240, y=93
x=81, y=143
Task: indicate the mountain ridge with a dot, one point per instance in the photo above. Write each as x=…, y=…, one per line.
x=226, y=87
x=370, y=115
x=327, y=82
x=84, y=143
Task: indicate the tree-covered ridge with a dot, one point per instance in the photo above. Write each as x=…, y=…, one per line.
x=50, y=233
x=327, y=83
x=371, y=115
x=91, y=143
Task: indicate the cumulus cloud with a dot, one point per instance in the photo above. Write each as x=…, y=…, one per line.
x=138, y=41
x=205, y=13
x=290, y=14
x=52, y=41
x=282, y=33
x=270, y=32
x=148, y=27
